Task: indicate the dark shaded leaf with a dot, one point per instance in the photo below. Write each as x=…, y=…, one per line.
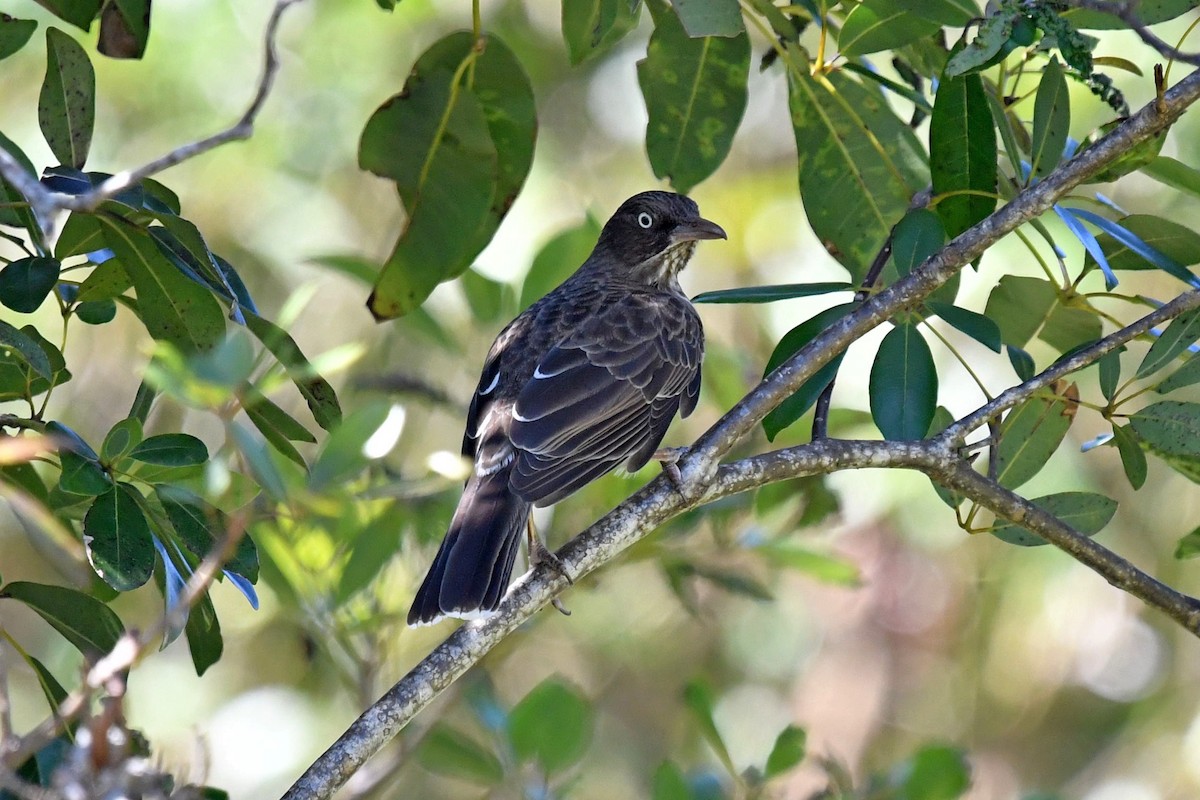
x=918, y=235
x=124, y=28
x=118, y=540
x=67, y=103
x=21, y=344
x=1086, y=512
x=26, y=282
x=1110, y=373
x=980, y=328
x=903, y=385
x=794, y=407
x=1133, y=459
x=84, y=621
x=876, y=25
x=695, y=93
x=770, y=294
x=1181, y=334
x=1022, y=362
x=79, y=13
x=553, y=724
x=14, y=33
x=82, y=476
x=1186, y=375
x=171, y=450
x=203, y=527
x=18, y=214
x=203, y=632
x=962, y=146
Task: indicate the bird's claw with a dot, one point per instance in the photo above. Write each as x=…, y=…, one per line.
x=540, y=554
x=669, y=458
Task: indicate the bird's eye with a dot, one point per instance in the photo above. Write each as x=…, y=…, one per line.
x=645, y=220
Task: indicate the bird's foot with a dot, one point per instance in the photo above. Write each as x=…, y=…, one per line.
x=669, y=458
x=540, y=554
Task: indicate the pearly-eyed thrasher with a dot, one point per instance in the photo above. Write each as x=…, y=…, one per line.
x=585, y=379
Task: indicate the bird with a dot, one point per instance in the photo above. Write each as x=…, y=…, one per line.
x=587, y=378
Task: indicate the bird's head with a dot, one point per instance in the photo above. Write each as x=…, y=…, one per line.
x=651, y=237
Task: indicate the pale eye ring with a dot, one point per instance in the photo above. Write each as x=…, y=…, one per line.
x=645, y=220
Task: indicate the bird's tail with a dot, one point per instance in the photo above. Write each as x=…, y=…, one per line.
x=471, y=570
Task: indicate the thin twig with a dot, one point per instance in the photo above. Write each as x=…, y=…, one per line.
x=957, y=431
x=48, y=204
x=1126, y=12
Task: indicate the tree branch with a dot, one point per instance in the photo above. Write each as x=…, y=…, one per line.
x=47, y=205
x=1126, y=12
x=659, y=501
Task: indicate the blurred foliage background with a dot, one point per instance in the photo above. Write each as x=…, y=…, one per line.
x=878, y=627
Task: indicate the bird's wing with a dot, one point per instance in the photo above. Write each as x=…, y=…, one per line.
x=606, y=394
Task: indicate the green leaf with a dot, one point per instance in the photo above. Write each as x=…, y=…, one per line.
x=107, y=281
x=14, y=33
x=118, y=540
x=171, y=450
x=918, y=235
x=1068, y=327
x=1149, y=12
x=769, y=294
x=1051, y=120
x=557, y=259
x=124, y=28
x=203, y=527
x=81, y=475
x=699, y=698
x=991, y=43
x=21, y=344
x=1022, y=362
x=1110, y=372
x=84, y=621
x=1169, y=428
x=955, y=13
x=1181, y=334
x=823, y=567
x=962, y=147
x=941, y=420
x=79, y=13
x=172, y=307
x=318, y=393
x=54, y=692
x=121, y=438
x=669, y=784
x=1189, y=545
x=709, y=17
x=788, y=751
x=859, y=164
x=903, y=385
x=447, y=751
x=591, y=27
x=980, y=328
x=695, y=93
x=1086, y=512
x=553, y=724
x=1175, y=174
x=466, y=156
x=342, y=456
x=488, y=300
x=276, y=425
x=799, y=402
x=876, y=25
x=378, y=542
x=67, y=103
x=96, y=313
x=1031, y=433
x=936, y=773
x=261, y=467
x=1020, y=305
x=203, y=632
x=1186, y=375
x=1133, y=459
x=18, y=214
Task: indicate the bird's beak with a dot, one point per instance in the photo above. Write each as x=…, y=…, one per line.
x=696, y=229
